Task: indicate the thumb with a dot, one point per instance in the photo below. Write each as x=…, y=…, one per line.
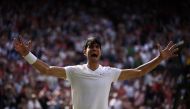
x=29, y=44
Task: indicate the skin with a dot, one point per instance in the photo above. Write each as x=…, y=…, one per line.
x=93, y=61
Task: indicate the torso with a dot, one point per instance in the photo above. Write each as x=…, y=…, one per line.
x=90, y=89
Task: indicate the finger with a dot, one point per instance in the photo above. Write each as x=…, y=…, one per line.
x=173, y=47
x=15, y=41
x=29, y=44
x=175, y=50
x=170, y=44
x=20, y=39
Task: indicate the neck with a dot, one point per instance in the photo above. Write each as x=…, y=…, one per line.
x=93, y=65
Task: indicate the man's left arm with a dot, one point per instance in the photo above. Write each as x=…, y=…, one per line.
x=169, y=51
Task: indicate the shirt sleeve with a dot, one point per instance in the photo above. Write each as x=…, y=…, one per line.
x=69, y=70
x=115, y=73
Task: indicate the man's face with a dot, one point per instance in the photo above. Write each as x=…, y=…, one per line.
x=93, y=52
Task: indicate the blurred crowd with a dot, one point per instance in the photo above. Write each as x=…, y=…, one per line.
x=129, y=37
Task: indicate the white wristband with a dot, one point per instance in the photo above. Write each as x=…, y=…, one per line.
x=30, y=58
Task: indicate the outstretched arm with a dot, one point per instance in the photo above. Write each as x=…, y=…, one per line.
x=24, y=50
x=165, y=54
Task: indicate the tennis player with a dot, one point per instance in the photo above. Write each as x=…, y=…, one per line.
x=91, y=82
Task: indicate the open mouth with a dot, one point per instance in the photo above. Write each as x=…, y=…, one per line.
x=94, y=55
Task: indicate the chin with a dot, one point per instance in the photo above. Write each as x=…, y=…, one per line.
x=94, y=59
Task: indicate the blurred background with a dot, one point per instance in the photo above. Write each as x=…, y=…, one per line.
x=129, y=30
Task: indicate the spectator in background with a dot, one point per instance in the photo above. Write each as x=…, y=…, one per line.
x=34, y=103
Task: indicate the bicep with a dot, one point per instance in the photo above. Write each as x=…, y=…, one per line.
x=129, y=74
x=56, y=71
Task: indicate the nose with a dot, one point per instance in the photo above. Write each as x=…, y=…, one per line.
x=94, y=48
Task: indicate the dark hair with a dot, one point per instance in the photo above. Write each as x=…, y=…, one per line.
x=92, y=40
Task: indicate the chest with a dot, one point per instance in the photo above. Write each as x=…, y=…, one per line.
x=91, y=80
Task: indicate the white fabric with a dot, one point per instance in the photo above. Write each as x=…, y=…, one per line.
x=30, y=58
x=90, y=89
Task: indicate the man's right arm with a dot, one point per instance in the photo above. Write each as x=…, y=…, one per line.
x=24, y=50
x=49, y=70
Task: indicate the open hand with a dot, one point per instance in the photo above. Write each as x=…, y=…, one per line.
x=21, y=47
x=169, y=51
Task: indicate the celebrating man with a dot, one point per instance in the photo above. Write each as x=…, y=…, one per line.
x=91, y=82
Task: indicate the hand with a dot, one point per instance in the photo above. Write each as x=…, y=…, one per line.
x=21, y=47
x=169, y=51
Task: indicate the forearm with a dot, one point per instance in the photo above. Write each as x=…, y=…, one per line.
x=149, y=66
x=166, y=53
x=41, y=66
x=44, y=68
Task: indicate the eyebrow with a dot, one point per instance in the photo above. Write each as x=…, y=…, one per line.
x=94, y=44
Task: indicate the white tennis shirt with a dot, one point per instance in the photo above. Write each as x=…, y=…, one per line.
x=90, y=89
